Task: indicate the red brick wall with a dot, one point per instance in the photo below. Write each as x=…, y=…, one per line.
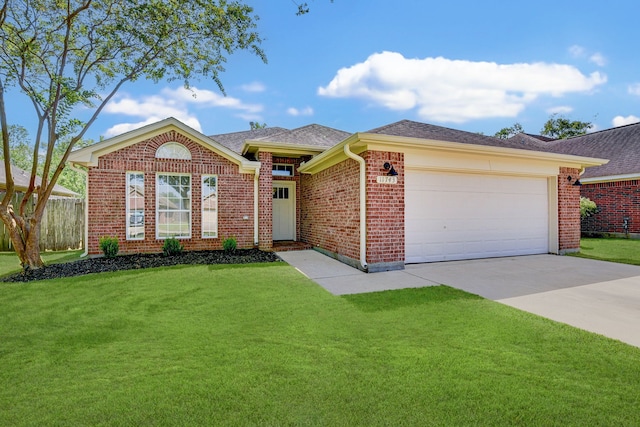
x=385, y=209
x=568, y=211
x=107, y=201
x=330, y=209
x=615, y=201
x=330, y=217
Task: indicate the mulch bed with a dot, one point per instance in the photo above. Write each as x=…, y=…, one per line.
x=140, y=261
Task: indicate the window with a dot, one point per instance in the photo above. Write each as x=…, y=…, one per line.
x=173, y=203
x=209, y=206
x=135, y=206
x=173, y=150
x=280, y=192
x=282, y=170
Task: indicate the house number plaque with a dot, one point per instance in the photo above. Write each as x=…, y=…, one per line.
x=387, y=179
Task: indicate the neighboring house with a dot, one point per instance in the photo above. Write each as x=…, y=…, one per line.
x=21, y=179
x=404, y=193
x=615, y=186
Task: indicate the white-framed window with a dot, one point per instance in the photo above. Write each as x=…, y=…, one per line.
x=281, y=169
x=209, y=206
x=173, y=150
x=173, y=205
x=135, y=206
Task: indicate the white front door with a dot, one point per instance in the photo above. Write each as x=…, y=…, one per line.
x=284, y=210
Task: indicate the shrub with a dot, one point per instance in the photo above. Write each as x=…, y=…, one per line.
x=172, y=246
x=587, y=207
x=229, y=244
x=109, y=246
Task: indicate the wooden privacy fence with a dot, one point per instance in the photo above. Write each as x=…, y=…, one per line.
x=62, y=225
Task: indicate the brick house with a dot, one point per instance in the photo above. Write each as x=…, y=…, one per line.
x=407, y=192
x=614, y=186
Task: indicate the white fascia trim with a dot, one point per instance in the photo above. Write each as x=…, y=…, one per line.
x=252, y=146
x=610, y=178
x=397, y=141
x=394, y=143
x=88, y=156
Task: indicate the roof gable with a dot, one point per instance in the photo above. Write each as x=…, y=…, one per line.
x=88, y=156
x=305, y=140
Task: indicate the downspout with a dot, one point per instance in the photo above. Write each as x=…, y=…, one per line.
x=256, y=200
x=86, y=208
x=363, y=205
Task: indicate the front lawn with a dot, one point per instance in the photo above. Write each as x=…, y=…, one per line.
x=263, y=345
x=626, y=251
x=10, y=263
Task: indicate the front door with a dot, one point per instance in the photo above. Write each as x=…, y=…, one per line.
x=284, y=210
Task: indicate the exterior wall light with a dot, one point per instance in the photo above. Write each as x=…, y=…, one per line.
x=577, y=183
x=389, y=168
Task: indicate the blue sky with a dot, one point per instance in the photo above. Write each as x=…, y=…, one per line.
x=356, y=65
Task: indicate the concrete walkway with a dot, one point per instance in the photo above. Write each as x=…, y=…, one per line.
x=597, y=296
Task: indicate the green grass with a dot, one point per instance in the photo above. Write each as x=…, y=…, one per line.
x=263, y=345
x=9, y=262
x=626, y=251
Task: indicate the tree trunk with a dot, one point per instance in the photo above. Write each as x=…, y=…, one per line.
x=25, y=236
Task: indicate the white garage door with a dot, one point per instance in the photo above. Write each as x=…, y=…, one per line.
x=451, y=216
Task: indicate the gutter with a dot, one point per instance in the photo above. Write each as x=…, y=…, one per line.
x=86, y=208
x=256, y=201
x=363, y=205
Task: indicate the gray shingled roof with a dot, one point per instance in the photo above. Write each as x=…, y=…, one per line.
x=21, y=180
x=533, y=140
x=620, y=145
x=314, y=135
x=411, y=129
x=235, y=141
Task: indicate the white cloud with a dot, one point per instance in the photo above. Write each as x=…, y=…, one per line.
x=560, y=109
x=455, y=90
x=598, y=59
x=173, y=103
x=577, y=51
x=254, y=87
x=621, y=121
x=634, y=89
x=307, y=111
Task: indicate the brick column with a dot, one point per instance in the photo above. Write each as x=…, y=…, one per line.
x=385, y=213
x=265, y=202
x=568, y=211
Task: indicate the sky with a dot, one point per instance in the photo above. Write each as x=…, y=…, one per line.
x=356, y=65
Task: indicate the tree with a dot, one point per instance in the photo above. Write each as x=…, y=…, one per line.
x=506, y=133
x=303, y=8
x=70, y=54
x=256, y=125
x=560, y=127
x=21, y=153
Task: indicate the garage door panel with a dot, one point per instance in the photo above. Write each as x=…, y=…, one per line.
x=462, y=216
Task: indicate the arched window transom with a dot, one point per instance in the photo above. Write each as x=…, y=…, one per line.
x=173, y=150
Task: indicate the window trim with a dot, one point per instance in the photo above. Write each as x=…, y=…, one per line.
x=281, y=172
x=202, y=211
x=183, y=152
x=190, y=211
x=128, y=206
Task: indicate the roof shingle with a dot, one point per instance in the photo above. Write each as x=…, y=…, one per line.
x=621, y=145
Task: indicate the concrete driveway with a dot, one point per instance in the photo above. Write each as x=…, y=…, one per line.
x=597, y=296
